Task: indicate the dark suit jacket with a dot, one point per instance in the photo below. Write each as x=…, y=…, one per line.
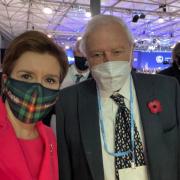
x=78, y=132
x=172, y=71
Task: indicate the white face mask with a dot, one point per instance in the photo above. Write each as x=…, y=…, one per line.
x=111, y=76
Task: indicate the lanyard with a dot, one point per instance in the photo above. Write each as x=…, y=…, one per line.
x=118, y=154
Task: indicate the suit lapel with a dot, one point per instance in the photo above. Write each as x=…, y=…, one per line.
x=89, y=127
x=156, y=151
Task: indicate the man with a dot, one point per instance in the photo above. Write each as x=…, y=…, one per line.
x=117, y=125
x=78, y=71
x=174, y=70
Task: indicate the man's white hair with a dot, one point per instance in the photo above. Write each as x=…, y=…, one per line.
x=98, y=21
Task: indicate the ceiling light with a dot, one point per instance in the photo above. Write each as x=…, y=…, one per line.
x=88, y=14
x=49, y=35
x=135, y=18
x=152, y=32
x=47, y=10
x=79, y=38
x=173, y=46
x=151, y=48
x=67, y=47
x=160, y=20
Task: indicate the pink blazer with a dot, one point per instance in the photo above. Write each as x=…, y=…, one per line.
x=12, y=162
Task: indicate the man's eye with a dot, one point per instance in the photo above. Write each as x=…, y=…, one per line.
x=26, y=76
x=117, y=52
x=98, y=54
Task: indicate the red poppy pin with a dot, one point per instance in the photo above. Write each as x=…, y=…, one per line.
x=155, y=106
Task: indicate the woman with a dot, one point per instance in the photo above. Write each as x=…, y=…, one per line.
x=33, y=69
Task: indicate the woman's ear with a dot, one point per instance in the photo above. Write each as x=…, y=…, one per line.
x=3, y=81
x=4, y=78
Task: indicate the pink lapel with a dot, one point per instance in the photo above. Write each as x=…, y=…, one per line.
x=12, y=162
x=49, y=167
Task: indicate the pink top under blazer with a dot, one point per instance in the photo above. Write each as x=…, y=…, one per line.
x=12, y=163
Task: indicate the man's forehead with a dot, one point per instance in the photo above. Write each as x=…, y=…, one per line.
x=108, y=32
x=108, y=27
x=107, y=42
x=108, y=47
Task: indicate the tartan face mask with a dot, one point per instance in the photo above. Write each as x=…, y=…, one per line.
x=29, y=102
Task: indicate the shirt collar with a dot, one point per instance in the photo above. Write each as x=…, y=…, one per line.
x=124, y=91
x=75, y=72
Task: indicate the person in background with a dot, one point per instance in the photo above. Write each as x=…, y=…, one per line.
x=174, y=70
x=33, y=69
x=119, y=124
x=79, y=71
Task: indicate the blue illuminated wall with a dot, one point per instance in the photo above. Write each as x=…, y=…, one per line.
x=70, y=55
x=142, y=59
x=151, y=60
x=136, y=61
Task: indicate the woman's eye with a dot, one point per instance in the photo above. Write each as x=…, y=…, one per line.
x=26, y=76
x=50, y=80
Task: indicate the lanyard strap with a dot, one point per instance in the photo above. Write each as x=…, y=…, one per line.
x=118, y=154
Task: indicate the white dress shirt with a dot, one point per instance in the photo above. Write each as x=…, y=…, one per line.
x=70, y=78
x=109, y=109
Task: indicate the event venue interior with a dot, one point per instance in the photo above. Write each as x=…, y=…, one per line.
x=155, y=24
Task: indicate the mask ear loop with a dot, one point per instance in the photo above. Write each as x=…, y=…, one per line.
x=131, y=57
x=131, y=60
x=87, y=62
